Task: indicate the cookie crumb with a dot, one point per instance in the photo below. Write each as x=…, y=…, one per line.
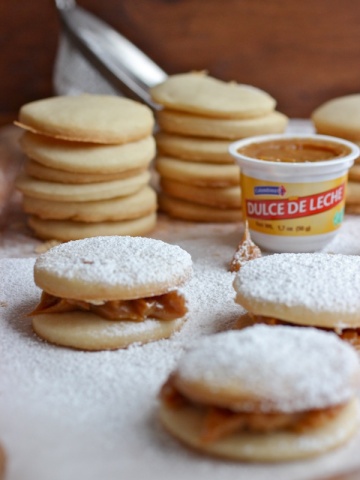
x=247, y=250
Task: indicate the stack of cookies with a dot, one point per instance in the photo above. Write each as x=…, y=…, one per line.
x=87, y=168
x=340, y=117
x=201, y=116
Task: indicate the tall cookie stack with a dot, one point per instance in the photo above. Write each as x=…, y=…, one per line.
x=87, y=168
x=340, y=117
x=201, y=117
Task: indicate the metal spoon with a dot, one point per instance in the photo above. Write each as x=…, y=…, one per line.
x=119, y=60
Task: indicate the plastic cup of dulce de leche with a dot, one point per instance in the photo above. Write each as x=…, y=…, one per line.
x=293, y=188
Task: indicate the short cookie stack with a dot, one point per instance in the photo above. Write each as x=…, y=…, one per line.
x=201, y=117
x=87, y=168
x=340, y=117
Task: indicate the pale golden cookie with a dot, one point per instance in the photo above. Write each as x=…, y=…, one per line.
x=65, y=230
x=87, y=331
x=226, y=197
x=115, y=276
x=353, y=192
x=194, y=149
x=136, y=205
x=88, y=118
x=84, y=192
x=192, y=211
x=339, y=117
x=261, y=384
x=82, y=157
x=39, y=171
x=354, y=173
x=352, y=209
x=195, y=173
x=204, y=95
x=232, y=129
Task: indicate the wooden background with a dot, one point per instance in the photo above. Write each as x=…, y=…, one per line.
x=302, y=52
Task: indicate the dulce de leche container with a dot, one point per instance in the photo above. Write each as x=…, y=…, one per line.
x=293, y=188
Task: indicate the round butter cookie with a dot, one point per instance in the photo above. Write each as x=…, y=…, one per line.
x=263, y=394
x=62, y=192
x=88, y=118
x=354, y=173
x=353, y=192
x=109, y=292
x=195, y=212
x=80, y=157
x=65, y=230
x=204, y=95
x=195, y=173
x=352, y=209
x=136, y=205
x=194, y=149
x=316, y=289
x=85, y=331
x=226, y=197
x=339, y=117
x=232, y=129
x=39, y=171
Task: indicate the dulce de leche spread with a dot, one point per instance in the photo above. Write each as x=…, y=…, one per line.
x=295, y=150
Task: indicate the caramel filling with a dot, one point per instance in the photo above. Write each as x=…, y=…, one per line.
x=221, y=422
x=350, y=335
x=168, y=306
x=295, y=150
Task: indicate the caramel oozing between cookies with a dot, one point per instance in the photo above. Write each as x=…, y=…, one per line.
x=222, y=422
x=350, y=335
x=168, y=306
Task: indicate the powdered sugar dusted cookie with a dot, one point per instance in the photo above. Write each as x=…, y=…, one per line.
x=264, y=394
x=317, y=289
x=88, y=118
x=199, y=93
x=108, y=292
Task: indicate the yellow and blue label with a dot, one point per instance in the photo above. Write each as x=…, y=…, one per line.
x=293, y=208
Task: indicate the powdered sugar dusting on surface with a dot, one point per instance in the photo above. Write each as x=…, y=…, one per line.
x=114, y=260
x=67, y=414
x=320, y=282
x=286, y=368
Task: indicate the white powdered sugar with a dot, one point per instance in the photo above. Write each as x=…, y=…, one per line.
x=114, y=260
x=320, y=282
x=68, y=414
x=286, y=369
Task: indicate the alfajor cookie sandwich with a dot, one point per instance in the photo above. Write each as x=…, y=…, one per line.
x=304, y=289
x=263, y=394
x=109, y=292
